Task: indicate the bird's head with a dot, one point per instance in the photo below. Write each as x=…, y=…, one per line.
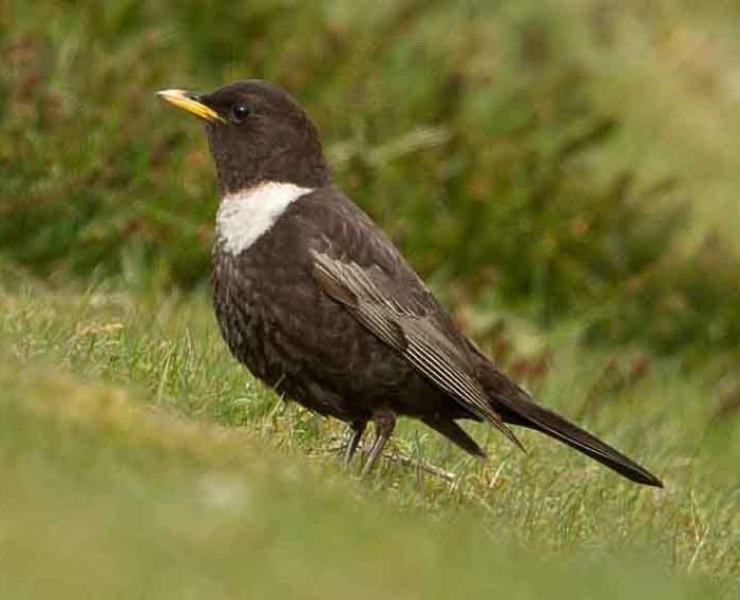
x=257, y=133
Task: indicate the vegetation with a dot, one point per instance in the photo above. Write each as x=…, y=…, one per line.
x=581, y=228
x=488, y=121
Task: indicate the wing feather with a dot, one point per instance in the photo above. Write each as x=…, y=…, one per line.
x=415, y=336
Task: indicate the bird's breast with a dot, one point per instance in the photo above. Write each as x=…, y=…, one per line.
x=276, y=321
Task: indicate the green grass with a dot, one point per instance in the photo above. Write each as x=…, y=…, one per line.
x=564, y=173
x=138, y=459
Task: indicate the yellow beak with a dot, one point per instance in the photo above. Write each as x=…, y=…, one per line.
x=188, y=102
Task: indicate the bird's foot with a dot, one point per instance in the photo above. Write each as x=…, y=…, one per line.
x=384, y=421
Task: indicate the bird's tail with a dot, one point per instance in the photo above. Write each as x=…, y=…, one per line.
x=516, y=407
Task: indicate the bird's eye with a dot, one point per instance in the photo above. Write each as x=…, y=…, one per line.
x=239, y=112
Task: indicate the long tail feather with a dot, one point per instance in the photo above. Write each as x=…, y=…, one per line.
x=516, y=407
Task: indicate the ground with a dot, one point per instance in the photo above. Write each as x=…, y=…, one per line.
x=139, y=459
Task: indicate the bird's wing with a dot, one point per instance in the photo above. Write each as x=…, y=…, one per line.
x=369, y=294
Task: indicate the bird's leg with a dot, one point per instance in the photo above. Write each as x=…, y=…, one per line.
x=384, y=421
x=357, y=429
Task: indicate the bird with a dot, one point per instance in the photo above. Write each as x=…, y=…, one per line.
x=318, y=303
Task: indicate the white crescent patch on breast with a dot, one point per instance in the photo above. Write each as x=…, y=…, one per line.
x=243, y=217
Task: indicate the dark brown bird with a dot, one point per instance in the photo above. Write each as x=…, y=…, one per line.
x=317, y=302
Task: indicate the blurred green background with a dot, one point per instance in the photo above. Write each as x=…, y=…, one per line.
x=563, y=173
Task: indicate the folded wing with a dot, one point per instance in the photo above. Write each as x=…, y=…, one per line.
x=416, y=336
